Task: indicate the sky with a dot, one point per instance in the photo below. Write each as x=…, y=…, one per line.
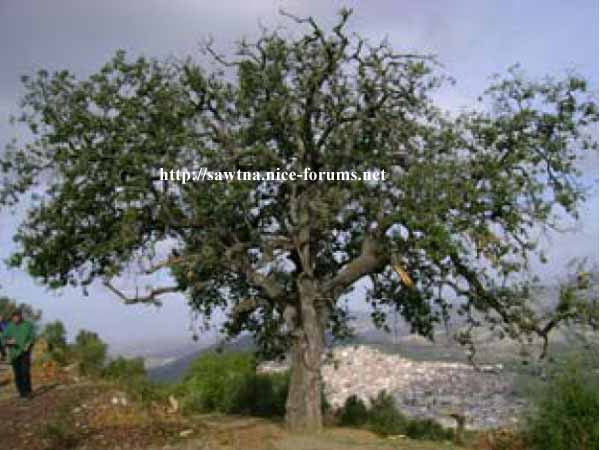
x=473, y=39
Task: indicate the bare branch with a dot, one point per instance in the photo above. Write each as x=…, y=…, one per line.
x=208, y=47
x=149, y=298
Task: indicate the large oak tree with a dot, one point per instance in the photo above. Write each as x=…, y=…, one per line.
x=453, y=223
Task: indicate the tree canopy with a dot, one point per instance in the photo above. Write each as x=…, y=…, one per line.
x=452, y=225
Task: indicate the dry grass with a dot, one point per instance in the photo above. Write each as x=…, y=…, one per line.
x=234, y=433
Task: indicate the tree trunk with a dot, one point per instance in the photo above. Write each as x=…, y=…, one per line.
x=303, y=406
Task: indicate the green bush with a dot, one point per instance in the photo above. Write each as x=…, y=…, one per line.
x=258, y=395
x=59, y=433
x=384, y=418
x=145, y=391
x=208, y=384
x=55, y=336
x=565, y=413
x=427, y=429
x=228, y=383
x=354, y=412
x=90, y=352
x=124, y=369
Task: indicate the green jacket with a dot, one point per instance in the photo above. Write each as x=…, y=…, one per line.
x=24, y=336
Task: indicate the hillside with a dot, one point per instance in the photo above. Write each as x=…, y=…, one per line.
x=399, y=340
x=175, y=370
x=70, y=413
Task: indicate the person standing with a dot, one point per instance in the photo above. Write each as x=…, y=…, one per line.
x=19, y=337
x=3, y=324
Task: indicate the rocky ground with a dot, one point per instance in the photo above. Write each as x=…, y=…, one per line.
x=430, y=389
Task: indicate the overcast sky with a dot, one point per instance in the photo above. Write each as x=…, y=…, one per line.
x=473, y=39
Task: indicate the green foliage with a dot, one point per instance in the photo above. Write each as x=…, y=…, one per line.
x=145, y=391
x=59, y=433
x=382, y=417
x=210, y=379
x=262, y=395
x=128, y=373
x=90, y=352
x=565, y=412
x=353, y=413
x=457, y=213
x=8, y=306
x=427, y=429
x=228, y=383
x=124, y=369
x=54, y=334
x=460, y=188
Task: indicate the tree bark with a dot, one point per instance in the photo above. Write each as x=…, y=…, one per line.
x=303, y=406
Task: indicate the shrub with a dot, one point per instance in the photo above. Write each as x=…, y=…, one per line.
x=427, y=429
x=145, y=391
x=354, y=412
x=90, y=352
x=211, y=377
x=130, y=375
x=258, y=395
x=59, y=433
x=228, y=383
x=55, y=336
x=124, y=369
x=384, y=418
x=565, y=414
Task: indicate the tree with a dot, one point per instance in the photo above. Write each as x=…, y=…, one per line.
x=8, y=306
x=540, y=310
x=55, y=335
x=575, y=308
x=91, y=353
x=451, y=225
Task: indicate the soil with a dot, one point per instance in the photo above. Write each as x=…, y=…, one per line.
x=72, y=414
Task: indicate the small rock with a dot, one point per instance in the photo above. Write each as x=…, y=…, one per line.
x=174, y=405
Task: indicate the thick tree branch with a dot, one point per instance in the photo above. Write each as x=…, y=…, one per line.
x=370, y=260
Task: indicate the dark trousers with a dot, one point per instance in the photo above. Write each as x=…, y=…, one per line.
x=22, y=369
